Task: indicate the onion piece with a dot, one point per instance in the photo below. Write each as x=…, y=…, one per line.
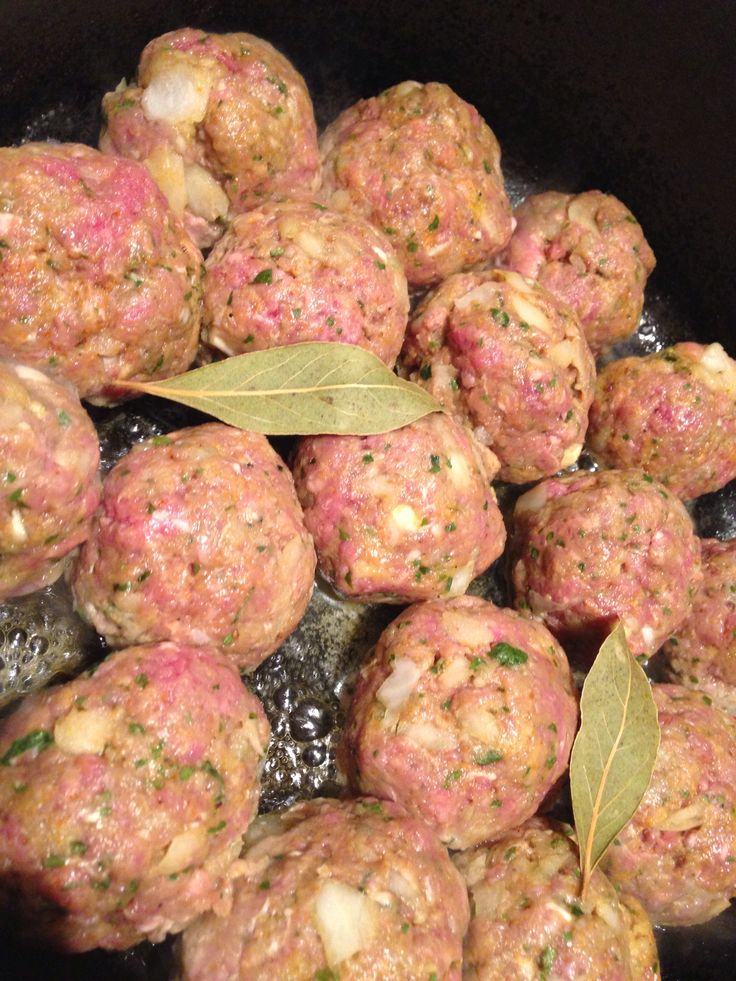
x=177, y=93
x=399, y=685
x=346, y=920
x=85, y=731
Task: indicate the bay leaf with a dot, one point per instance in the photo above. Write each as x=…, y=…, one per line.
x=614, y=751
x=298, y=390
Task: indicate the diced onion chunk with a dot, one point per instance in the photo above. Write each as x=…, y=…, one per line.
x=346, y=920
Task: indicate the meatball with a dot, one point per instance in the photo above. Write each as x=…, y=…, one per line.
x=124, y=796
x=702, y=653
x=677, y=855
x=672, y=414
x=220, y=120
x=48, y=475
x=421, y=164
x=529, y=921
x=294, y=271
x=353, y=889
x=504, y=356
x=403, y=516
x=464, y=715
x=98, y=280
x=199, y=539
x=589, y=251
x=592, y=548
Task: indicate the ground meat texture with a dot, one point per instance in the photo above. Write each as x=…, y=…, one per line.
x=529, y=921
x=98, y=280
x=592, y=548
x=220, y=120
x=677, y=855
x=353, y=890
x=49, y=485
x=124, y=796
x=702, y=653
x=672, y=414
x=421, y=164
x=507, y=358
x=464, y=715
x=294, y=271
x=589, y=251
x=199, y=539
x=403, y=516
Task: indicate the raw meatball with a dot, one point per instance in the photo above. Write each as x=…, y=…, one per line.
x=672, y=414
x=677, y=855
x=98, y=280
x=293, y=271
x=200, y=539
x=702, y=653
x=592, y=548
x=421, y=164
x=403, y=516
x=589, y=251
x=464, y=715
x=348, y=889
x=48, y=474
x=220, y=120
x=124, y=796
x=529, y=921
x=504, y=356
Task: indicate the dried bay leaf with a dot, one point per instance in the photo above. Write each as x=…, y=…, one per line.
x=298, y=390
x=614, y=751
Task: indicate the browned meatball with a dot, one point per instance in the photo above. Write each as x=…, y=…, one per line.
x=529, y=921
x=592, y=548
x=701, y=654
x=677, y=855
x=294, y=271
x=590, y=251
x=464, y=715
x=504, y=356
x=403, y=516
x=671, y=414
x=421, y=164
x=48, y=477
x=200, y=539
x=351, y=889
x=220, y=120
x=124, y=796
x=98, y=280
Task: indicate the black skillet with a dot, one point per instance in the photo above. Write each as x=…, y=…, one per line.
x=635, y=98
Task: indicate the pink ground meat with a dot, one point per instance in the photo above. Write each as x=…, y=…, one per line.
x=508, y=359
x=354, y=890
x=124, y=796
x=464, y=715
x=589, y=251
x=199, y=539
x=677, y=855
x=592, y=548
x=402, y=516
x=220, y=120
x=49, y=485
x=420, y=163
x=672, y=414
x=293, y=271
x=98, y=280
x=529, y=920
x=701, y=654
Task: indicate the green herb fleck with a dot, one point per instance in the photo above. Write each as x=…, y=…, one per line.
x=264, y=276
x=507, y=655
x=38, y=739
x=490, y=756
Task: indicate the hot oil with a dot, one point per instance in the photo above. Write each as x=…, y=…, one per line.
x=305, y=686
